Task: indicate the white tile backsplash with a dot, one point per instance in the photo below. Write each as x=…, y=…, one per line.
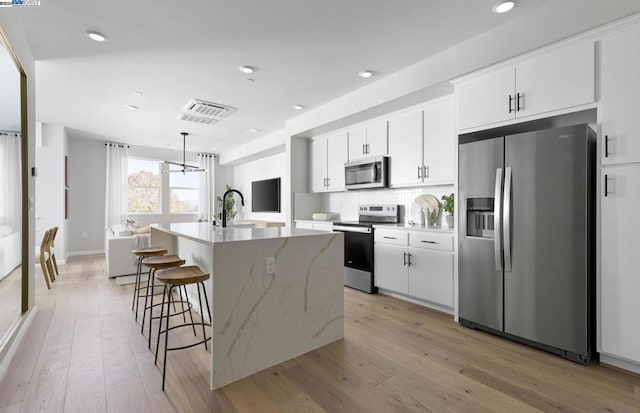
x=346, y=203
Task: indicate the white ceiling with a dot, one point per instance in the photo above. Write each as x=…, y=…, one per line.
x=306, y=52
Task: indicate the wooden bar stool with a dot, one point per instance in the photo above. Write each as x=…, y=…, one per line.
x=181, y=277
x=143, y=253
x=160, y=262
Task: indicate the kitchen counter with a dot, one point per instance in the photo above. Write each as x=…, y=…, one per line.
x=207, y=233
x=405, y=227
x=276, y=293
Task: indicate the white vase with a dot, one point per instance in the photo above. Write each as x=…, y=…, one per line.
x=450, y=221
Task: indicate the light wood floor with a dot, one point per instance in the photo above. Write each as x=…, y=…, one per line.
x=84, y=353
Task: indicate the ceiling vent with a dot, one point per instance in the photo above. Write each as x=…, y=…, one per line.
x=209, y=109
x=197, y=119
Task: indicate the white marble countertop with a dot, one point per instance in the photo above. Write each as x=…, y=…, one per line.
x=405, y=227
x=206, y=233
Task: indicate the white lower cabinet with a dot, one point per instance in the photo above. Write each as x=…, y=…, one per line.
x=620, y=260
x=390, y=268
x=417, y=264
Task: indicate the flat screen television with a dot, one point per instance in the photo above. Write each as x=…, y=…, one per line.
x=265, y=195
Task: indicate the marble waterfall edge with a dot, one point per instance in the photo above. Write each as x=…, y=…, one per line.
x=263, y=319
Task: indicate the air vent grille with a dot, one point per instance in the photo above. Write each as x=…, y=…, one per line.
x=210, y=109
x=197, y=119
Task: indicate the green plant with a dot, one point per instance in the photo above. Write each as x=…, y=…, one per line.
x=448, y=203
x=229, y=206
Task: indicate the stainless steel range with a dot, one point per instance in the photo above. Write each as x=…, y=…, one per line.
x=358, y=244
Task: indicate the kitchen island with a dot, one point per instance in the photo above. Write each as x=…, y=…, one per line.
x=275, y=293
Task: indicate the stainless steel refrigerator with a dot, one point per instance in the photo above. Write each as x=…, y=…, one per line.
x=526, y=237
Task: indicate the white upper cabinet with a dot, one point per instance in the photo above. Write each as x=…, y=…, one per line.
x=319, y=165
x=377, y=138
x=368, y=140
x=559, y=79
x=619, y=261
x=405, y=148
x=486, y=99
x=439, y=142
x=336, y=158
x=357, y=143
x=422, y=145
x=555, y=80
x=328, y=156
x=620, y=89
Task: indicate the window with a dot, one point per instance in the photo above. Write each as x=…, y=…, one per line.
x=154, y=188
x=184, y=194
x=144, y=186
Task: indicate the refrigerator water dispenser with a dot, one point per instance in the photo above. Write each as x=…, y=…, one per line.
x=480, y=218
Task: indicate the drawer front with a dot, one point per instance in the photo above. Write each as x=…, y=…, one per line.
x=385, y=236
x=431, y=240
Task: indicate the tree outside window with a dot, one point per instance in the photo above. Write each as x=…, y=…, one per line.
x=144, y=186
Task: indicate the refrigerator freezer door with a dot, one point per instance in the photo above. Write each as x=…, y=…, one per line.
x=480, y=283
x=546, y=288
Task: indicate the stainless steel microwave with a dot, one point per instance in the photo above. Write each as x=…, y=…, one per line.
x=367, y=173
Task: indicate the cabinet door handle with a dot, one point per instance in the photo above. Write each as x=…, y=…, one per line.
x=606, y=146
x=518, y=98
x=606, y=185
x=425, y=171
x=419, y=172
x=364, y=149
x=510, y=101
x=368, y=149
x=429, y=242
x=328, y=182
x=409, y=261
x=389, y=237
x=404, y=259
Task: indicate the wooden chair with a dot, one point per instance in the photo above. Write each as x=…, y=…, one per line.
x=52, y=254
x=43, y=260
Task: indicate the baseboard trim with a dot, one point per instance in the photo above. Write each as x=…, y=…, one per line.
x=620, y=363
x=413, y=300
x=80, y=253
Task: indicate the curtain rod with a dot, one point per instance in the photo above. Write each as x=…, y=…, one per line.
x=9, y=133
x=211, y=155
x=120, y=145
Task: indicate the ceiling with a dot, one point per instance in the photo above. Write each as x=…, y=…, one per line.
x=306, y=52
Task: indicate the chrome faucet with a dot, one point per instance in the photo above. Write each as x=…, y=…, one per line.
x=224, y=210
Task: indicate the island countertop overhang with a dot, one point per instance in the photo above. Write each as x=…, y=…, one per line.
x=206, y=233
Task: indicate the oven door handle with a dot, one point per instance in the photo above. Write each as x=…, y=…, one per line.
x=362, y=230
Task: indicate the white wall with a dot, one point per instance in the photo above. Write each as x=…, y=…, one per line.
x=87, y=191
x=87, y=165
x=274, y=166
x=50, y=187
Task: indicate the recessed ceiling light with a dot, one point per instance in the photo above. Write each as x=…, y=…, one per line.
x=133, y=107
x=214, y=149
x=503, y=6
x=298, y=107
x=365, y=74
x=254, y=130
x=98, y=37
x=246, y=69
x=138, y=93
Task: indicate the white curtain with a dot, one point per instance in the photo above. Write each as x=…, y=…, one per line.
x=116, y=192
x=206, y=211
x=10, y=181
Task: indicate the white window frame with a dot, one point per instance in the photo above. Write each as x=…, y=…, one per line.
x=169, y=188
x=165, y=192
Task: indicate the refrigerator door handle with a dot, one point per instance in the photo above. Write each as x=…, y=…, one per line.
x=506, y=219
x=497, y=238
